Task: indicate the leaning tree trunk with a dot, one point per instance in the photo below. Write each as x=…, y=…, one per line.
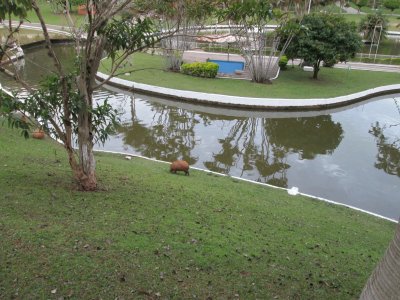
x=384, y=282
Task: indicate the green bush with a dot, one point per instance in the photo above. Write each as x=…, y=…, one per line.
x=391, y=4
x=283, y=62
x=200, y=69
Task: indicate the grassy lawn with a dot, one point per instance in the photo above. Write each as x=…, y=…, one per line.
x=148, y=234
x=54, y=18
x=292, y=83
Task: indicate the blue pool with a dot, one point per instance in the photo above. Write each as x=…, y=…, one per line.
x=228, y=67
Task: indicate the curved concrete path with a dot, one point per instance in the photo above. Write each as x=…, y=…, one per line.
x=249, y=102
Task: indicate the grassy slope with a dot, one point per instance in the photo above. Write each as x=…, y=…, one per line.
x=292, y=83
x=148, y=231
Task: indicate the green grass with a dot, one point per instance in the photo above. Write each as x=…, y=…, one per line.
x=147, y=232
x=292, y=83
x=54, y=18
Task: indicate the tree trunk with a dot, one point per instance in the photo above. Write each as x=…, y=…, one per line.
x=384, y=282
x=316, y=70
x=86, y=176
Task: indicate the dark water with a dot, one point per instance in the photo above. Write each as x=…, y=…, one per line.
x=350, y=155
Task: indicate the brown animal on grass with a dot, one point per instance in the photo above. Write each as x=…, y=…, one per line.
x=180, y=165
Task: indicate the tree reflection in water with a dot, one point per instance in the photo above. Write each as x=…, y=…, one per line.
x=252, y=145
x=388, y=157
x=170, y=135
x=264, y=144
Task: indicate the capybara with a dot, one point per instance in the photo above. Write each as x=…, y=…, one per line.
x=180, y=165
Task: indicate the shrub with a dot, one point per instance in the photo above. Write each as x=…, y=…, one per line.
x=283, y=61
x=200, y=69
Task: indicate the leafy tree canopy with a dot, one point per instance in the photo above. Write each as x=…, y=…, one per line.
x=367, y=25
x=17, y=8
x=361, y=3
x=391, y=4
x=324, y=37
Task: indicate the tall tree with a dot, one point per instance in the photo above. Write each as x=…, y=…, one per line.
x=65, y=105
x=360, y=4
x=324, y=37
x=185, y=18
x=257, y=45
x=391, y=4
x=373, y=26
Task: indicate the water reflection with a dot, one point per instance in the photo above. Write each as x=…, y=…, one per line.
x=251, y=145
x=170, y=134
x=306, y=136
x=388, y=156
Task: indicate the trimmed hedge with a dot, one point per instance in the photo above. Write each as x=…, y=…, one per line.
x=200, y=69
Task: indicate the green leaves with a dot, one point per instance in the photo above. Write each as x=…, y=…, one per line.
x=104, y=120
x=251, y=12
x=128, y=35
x=324, y=37
x=12, y=109
x=18, y=8
x=45, y=108
x=391, y=4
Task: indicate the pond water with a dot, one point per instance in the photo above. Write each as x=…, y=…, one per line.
x=350, y=155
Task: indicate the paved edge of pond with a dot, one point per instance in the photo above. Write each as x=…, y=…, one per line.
x=249, y=102
x=257, y=183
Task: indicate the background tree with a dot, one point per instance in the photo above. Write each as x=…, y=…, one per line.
x=64, y=105
x=368, y=25
x=257, y=45
x=360, y=4
x=185, y=18
x=324, y=37
x=391, y=4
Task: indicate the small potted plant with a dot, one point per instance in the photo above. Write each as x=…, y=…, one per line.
x=38, y=133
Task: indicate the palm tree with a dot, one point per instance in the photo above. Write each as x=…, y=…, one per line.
x=384, y=282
